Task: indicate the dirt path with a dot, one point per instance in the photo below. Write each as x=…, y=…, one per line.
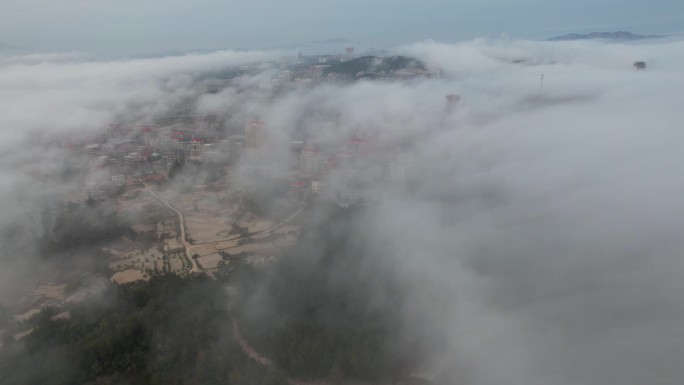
x=246, y=347
x=253, y=353
x=256, y=235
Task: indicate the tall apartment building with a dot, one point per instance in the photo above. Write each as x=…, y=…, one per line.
x=310, y=159
x=255, y=134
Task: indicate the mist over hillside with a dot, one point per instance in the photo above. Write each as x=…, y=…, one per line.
x=530, y=236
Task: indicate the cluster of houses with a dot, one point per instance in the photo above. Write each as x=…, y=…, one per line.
x=129, y=155
x=346, y=170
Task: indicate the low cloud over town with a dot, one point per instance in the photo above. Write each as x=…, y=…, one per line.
x=526, y=194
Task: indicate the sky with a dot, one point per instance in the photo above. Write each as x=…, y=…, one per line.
x=127, y=27
x=544, y=229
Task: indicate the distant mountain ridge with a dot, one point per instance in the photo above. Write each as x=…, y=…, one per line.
x=614, y=36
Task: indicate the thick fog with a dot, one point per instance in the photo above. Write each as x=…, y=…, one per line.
x=541, y=220
x=50, y=100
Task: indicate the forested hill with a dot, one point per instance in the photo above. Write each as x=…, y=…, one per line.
x=374, y=64
x=167, y=331
x=332, y=308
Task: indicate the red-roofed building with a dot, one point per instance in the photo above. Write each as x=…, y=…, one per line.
x=299, y=189
x=330, y=163
x=157, y=179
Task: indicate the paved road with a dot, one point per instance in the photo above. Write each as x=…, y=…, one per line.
x=184, y=240
x=248, y=349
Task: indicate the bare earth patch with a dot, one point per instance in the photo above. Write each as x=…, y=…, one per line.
x=203, y=250
x=51, y=291
x=25, y=316
x=127, y=276
x=21, y=335
x=226, y=245
x=62, y=316
x=210, y=262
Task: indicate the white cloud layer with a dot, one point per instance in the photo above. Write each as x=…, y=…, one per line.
x=548, y=218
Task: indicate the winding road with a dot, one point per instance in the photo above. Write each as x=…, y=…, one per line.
x=195, y=268
x=248, y=349
x=188, y=246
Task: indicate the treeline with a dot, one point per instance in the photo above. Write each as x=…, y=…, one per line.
x=329, y=308
x=75, y=225
x=268, y=197
x=169, y=330
x=194, y=172
x=332, y=308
